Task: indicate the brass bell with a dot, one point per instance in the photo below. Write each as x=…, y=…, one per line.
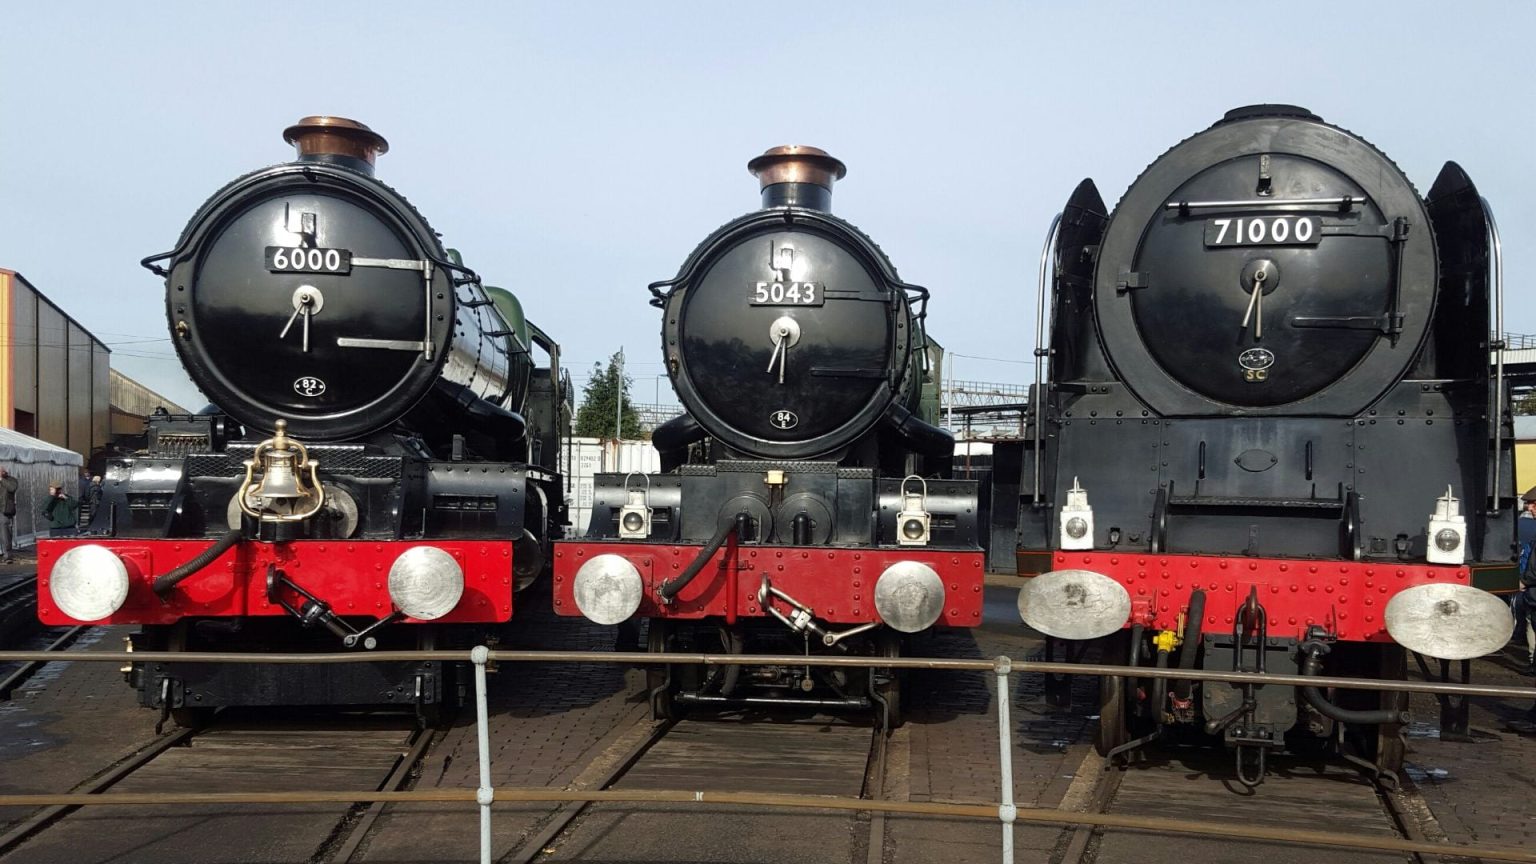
x=289, y=487
x=278, y=479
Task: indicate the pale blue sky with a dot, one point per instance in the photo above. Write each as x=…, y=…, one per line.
x=577, y=151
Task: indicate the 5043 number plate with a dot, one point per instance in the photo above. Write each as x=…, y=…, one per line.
x=1263, y=231
x=786, y=294
x=287, y=259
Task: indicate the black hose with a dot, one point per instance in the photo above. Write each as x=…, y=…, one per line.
x=732, y=639
x=1190, y=652
x=1133, y=684
x=1314, y=659
x=164, y=583
x=669, y=589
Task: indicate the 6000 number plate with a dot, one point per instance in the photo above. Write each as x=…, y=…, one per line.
x=287, y=259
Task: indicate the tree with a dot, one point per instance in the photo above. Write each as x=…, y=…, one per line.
x=1525, y=403
x=594, y=419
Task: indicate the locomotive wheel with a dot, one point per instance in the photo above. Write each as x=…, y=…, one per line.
x=178, y=637
x=191, y=718
x=434, y=715
x=1112, y=731
x=659, y=679
x=888, y=685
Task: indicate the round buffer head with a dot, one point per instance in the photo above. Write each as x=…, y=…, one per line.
x=1448, y=621
x=1074, y=604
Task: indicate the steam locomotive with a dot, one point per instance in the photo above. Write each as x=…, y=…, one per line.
x=803, y=505
x=1269, y=438
x=381, y=468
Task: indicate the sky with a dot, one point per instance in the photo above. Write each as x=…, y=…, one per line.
x=576, y=151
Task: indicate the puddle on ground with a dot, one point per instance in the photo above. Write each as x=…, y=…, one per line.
x=1422, y=730
x=1420, y=774
x=52, y=671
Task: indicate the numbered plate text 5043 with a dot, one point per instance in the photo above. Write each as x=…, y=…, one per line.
x=1263, y=231
x=786, y=294
x=287, y=259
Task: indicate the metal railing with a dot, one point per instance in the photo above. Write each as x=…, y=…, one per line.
x=1005, y=810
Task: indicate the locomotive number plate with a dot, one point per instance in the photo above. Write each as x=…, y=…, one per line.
x=1263, y=231
x=287, y=259
x=786, y=294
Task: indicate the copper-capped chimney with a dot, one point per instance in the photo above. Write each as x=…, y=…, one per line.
x=797, y=176
x=337, y=140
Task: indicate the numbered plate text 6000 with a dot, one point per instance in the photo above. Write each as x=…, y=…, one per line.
x=287, y=259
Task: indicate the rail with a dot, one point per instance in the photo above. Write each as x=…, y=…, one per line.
x=1005, y=811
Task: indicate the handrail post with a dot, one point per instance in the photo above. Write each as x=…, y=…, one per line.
x=1006, y=811
x=485, y=794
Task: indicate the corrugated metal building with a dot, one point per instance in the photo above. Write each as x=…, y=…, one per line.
x=132, y=403
x=53, y=373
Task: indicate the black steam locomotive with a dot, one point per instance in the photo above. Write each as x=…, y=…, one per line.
x=803, y=505
x=1269, y=439
x=381, y=469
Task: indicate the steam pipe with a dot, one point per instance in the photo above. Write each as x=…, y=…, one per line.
x=1498, y=361
x=1042, y=351
x=920, y=435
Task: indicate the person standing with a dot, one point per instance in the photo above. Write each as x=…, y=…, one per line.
x=61, y=512
x=89, y=501
x=1525, y=591
x=8, y=486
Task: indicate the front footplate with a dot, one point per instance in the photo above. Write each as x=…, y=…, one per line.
x=221, y=685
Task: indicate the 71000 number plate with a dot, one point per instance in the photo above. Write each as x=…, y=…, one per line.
x=1263, y=231
x=287, y=259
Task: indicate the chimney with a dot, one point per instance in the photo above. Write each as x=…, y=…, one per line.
x=797, y=176
x=336, y=140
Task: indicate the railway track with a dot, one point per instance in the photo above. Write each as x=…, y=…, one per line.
x=818, y=755
x=16, y=591
x=18, y=624
x=1190, y=784
x=233, y=753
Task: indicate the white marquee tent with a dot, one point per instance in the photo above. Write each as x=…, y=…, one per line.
x=36, y=464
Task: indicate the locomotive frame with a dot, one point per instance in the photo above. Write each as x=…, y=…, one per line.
x=403, y=513
x=803, y=502
x=1176, y=518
